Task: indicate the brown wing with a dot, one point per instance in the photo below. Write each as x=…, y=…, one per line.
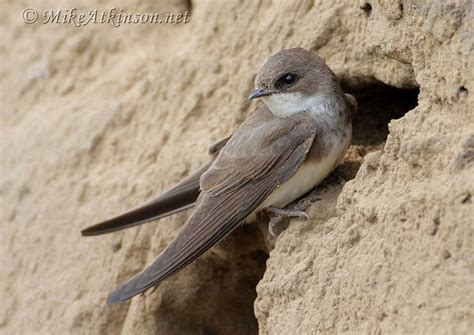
x=262, y=154
x=182, y=196
x=179, y=198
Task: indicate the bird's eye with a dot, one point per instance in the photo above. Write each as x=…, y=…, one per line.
x=288, y=78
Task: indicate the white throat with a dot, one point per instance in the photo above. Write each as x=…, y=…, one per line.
x=287, y=104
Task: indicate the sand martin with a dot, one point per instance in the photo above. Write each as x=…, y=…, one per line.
x=280, y=152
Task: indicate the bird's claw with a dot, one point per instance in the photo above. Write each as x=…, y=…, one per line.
x=279, y=215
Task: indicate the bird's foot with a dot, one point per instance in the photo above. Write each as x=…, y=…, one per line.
x=286, y=213
x=280, y=217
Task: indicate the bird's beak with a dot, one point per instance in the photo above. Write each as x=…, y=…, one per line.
x=260, y=93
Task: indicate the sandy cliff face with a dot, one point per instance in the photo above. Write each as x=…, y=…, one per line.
x=98, y=119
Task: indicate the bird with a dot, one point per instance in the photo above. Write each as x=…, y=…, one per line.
x=281, y=151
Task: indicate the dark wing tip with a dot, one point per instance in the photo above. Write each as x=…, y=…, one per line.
x=90, y=231
x=99, y=229
x=85, y=233
x=128, y=290
x=120, y=294
x=115, y=297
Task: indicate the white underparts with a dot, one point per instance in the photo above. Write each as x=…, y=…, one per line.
x=326, y=111
x=310, y=174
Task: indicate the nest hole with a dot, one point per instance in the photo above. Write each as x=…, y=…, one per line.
x=378, y=104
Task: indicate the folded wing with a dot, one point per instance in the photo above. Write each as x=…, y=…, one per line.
x=182, y=196
x=179, y=198
x=263, y=153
